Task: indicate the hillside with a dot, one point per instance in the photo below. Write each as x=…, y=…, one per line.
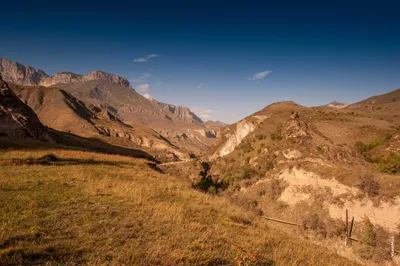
x=88, y=208
x=176, y=123
x=114, y=96
x=292, y=162
x=61, y=111
x=17, y=119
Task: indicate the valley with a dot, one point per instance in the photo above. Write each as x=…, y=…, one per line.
x=92, y=172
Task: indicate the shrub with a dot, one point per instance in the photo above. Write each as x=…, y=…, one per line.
x=315, y=223
x=277, y=135
x=390, y=164
x=369, y=185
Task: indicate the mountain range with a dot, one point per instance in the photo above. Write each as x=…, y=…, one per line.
x=100, y=104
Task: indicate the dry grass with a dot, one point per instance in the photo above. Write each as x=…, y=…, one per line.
x=110, y=209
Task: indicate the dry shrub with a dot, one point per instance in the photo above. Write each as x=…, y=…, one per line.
x=315, y=223
x=369, y=185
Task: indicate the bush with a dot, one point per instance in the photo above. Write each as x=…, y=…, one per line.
x=315, y=223
x=369, y=186
x=277, y=135
x=390, y=164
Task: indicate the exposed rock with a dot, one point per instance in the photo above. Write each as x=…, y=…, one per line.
x=243, y=128
x=101, y=75
x=62, y=77
x=19, y=74
x=25, y=75
x=294, y=128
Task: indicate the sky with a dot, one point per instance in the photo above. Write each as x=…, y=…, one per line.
x=224, y=60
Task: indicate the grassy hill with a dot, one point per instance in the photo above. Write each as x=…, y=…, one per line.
x=62, y=206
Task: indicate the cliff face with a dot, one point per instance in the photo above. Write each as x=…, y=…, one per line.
x=16, y=118
x=19, y=74
x=25, y=75
x=62, y=77
x=117, y=80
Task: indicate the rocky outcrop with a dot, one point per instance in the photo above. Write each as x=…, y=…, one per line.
x=243, y=128
x=62, y=77
x=101, y=75
x=19, y=74
x=16, y=118
x=181, y=112
x=70, y=78
x=25, y=75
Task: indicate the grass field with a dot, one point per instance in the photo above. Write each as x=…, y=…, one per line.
x=74, y=207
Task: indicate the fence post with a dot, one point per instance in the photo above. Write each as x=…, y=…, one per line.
x=346, y=239
x=392, y=246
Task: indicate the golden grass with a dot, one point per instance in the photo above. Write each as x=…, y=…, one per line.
x=110, y=209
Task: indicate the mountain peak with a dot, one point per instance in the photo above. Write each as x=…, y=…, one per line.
x=20, y=74
x=336, y=104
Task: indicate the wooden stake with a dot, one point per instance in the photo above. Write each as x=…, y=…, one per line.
x=392, y=247
x=351, y=229
x=346, y=239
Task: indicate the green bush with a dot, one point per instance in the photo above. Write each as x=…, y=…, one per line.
x=390, y=164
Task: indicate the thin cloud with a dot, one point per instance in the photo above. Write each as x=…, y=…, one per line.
x=203, y=113
x=143, y=88
x=259, y=76
x=145, y=58
x=142, y=78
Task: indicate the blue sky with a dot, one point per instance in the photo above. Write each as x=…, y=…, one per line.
x=223, y=59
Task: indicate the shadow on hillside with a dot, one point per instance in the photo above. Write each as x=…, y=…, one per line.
x=70, y=141
x=51, y=159
x=14, y=255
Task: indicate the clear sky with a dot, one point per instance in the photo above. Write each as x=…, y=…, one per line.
x=224, y=59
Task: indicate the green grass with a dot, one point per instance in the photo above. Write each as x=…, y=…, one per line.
x=109, y=209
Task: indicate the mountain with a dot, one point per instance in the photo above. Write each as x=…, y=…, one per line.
x=71, y=109
x=17, y=73
x=176, y=123
x=336, y=104
x=17, y=119
x=61, y=111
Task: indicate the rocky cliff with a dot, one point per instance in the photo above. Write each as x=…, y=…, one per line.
x=19, y=74
x=25, y=75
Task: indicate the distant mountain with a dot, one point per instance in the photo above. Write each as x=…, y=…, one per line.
x=17, y=119
x=20, y=74
x=338, y=105
x=215, y=124
x=25, y=75
x=176, y=123
x=61, y=111
x=71, y=108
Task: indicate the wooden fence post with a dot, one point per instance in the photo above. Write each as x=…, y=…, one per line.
x=392, y=246
x=346, y=239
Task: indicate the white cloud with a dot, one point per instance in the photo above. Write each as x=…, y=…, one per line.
x=143, y=88
x=142, y=78
x=147, y=96
x=259, y=76
x=145, y=59
x=203, y=113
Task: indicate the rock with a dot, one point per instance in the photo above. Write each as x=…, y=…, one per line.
x=19, y=74
x=25, y=75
